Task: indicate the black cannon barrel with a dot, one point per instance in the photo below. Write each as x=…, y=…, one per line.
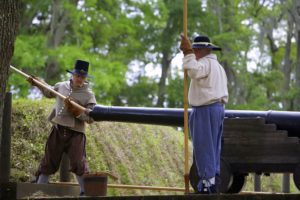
x=285, y=120
x=145, y=115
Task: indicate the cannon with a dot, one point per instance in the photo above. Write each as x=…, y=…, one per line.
x=284, y=120
x=252, y=142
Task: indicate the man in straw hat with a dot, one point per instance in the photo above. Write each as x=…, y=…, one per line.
x=67, y=133
x=207, y=95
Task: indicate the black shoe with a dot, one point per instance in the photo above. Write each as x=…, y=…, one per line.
x=81, y=194
x=208, y=190
x=213, y=189
x=34, y=180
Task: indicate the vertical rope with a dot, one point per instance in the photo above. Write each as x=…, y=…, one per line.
x=185, y=101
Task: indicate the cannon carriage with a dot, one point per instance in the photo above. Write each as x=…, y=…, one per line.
x=250, y=145
x=252, y=142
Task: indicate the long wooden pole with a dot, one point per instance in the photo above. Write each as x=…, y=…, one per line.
x=138, y=187
x=186, y=129
x=47, y=87
x=143, y=187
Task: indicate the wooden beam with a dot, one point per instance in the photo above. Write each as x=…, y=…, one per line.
x=5, y=146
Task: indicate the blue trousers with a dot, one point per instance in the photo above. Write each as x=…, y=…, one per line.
x=206, y=127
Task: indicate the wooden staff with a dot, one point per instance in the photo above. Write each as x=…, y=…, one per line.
x=143, y=187
x=132, y=187
x=47, y=87
x=185, y=101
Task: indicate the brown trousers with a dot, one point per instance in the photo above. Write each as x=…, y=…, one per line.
x=60, y=140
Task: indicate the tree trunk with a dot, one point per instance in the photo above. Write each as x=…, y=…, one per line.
x=287, y=63
x=296, y=16
x=297, y=99
x=232, y=84
x=9, y=20
x=218, y=11
x=166, y=61
x=166, y=49
x=273, y=48
x=224, y=12
x=59, y=22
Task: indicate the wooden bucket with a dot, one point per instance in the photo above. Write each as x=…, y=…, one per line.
x=95, y=184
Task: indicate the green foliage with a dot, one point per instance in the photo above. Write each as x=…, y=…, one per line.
x=175, y=92
x=30, y=52
x=141, y=93
x=29, y=132
x=113, y=35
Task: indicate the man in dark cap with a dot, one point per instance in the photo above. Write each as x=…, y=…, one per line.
x=207, y=95
x=67, y=133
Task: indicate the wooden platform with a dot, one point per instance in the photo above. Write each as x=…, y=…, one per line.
x=196, y=197
x=14, y=191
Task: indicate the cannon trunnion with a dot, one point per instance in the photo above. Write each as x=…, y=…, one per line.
x=253, y=141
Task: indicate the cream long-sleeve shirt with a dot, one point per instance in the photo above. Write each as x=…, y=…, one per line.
x=208, y=80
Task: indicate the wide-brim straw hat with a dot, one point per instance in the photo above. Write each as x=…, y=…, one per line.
x=203, y=42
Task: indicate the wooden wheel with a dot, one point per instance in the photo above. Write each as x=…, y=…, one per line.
x=226, y=176
x=238, y=183
x=296, y=176
x=193, y=176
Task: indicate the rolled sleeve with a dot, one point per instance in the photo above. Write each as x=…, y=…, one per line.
x=196, y=69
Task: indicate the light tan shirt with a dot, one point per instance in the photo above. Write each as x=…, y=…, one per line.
x=60, y=115
x=208, y=80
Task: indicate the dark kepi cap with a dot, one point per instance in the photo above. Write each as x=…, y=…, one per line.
x=203, y=42
x=81, y=68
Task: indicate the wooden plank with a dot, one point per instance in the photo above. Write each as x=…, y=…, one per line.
x=5, y=146
x=259, y=160
x=8, y=191
x=25, y=190
x=250, y=127
x=191, y=196
x=243, y=196
x=264, y=151
x=245, y=121
x=260, y=140
x=263, y=167
x=254, y=134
